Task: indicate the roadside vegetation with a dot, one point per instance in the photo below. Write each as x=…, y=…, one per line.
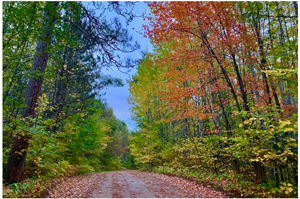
x=55, y=121
x=216, y=101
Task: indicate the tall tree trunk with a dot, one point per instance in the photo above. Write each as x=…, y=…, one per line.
x=16, y=162
x=61, y=91
x=240, y=82
x=204, y=39
x=255, y=92
x=272, y=85
x=259, y=168
x=223, y=70
x=296, y=8
x=263, y=60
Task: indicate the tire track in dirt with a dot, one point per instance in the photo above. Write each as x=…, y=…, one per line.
x=124, y=184
x=128, y=184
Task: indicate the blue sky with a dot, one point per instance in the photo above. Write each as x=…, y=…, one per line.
x=117, y=97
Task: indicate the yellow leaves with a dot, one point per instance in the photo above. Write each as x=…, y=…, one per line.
x=18, y=152
x=42, y=104
x=269, y=156
x=39, y=159
x=288, y=152
x=283, y=125
x=284, y=122
x=83, y=114
x=65, y=67
x=252, y=119
x=281, y=72
x=254, y=160
x=286, y=188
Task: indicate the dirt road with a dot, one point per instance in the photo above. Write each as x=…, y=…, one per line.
x=129, y=184
x=133, y=184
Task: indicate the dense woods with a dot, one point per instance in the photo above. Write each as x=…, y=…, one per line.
x=217, y=99
x=54, y=119
x=215, y=102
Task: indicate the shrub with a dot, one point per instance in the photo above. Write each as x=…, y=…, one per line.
x=83, y=169
x=114, y=164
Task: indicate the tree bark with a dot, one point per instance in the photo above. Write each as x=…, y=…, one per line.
x=209, y=48
x=259, y=170
x=16, y=162
x=263, y=60
x=241, y=84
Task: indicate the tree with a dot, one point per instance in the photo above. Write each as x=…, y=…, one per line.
x=17, y=157
x=219, y=87
x=62, y=35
